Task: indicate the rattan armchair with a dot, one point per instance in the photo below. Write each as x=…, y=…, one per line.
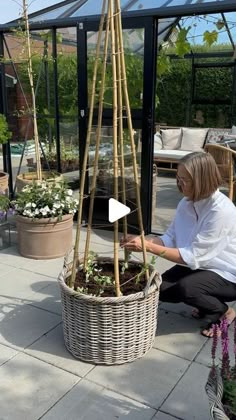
x=226, y=161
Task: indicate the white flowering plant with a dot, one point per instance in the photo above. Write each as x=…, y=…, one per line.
x=45, y=200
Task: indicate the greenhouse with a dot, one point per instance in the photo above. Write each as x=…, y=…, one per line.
x=181, y=75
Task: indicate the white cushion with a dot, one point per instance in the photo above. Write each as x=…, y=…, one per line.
x=233, y=129
x=193, y=138
x=157, y=142
x=170, y=154
x=171, y=138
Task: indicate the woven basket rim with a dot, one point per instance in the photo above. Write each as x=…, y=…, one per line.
x=110, y=299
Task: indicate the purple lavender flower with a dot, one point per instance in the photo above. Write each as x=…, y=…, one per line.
x=225, y=368
x=214, y=344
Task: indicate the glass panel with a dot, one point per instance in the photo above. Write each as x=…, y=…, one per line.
x=68, y=98
x=92, y=8
x=20, y=101
x=199, y=24
x=165, y=198
x=53, y=14
x=151, y=4
x=134, y=67
x=105, y=173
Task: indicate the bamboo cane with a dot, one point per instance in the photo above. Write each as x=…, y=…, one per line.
x=115, y=152
x=98, y=137
x=31, y=81
x=120, y=130
x=88, y=137
x=131, y=133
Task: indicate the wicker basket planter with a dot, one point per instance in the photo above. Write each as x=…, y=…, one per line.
x=214, y=390
x=109, y=330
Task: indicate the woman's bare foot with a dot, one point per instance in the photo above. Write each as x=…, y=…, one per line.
x=230, y=315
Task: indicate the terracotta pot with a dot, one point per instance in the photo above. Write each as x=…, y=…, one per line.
x=4, y=182
x=24, y=179
x=44, y=238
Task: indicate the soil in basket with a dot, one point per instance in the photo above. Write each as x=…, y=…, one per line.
x=129, y=281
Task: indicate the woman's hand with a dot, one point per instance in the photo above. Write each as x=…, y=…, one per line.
x=131, y=243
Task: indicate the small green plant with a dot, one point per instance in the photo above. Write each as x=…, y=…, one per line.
x=91, y=265
x=5, y=134
x=94, y=272
x=125, y=264
x=5, y=206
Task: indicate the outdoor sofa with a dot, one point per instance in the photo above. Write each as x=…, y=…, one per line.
x=173, y=143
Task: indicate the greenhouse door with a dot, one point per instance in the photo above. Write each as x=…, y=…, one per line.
x=139, y=37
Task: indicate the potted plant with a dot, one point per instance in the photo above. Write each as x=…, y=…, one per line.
x=5, y=135
x=44, y=219
x=109, y=305
x=69, y=157
x=39, y=175
x=221, y=384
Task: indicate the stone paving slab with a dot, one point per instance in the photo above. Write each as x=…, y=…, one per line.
x=22, y=324
x=29, y=387
x=48, y=297
x=178, y=336
x=6, y=353
x=20, y=283
x=51, y=348
x=148, y=380
x=178, y=308
x=31, y=323
x=189, y=400
x=89, y=401
x=162, y=416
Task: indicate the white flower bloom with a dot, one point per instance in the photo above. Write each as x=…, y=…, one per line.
x=69, y=192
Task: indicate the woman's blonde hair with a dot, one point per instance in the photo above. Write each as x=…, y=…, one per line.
x=204, y=173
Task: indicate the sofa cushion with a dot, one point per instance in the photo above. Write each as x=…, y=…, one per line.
x=170, y=154
x=215, y=135
x=233, y=129
x=171, y=138
x=193, y=139
x=157, y=142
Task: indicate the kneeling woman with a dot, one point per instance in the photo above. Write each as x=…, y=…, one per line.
x=201, y=240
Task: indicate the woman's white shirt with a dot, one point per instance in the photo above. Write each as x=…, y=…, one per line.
x=205, y=234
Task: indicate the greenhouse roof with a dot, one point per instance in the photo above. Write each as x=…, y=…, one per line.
x=69, y=13
x=76, y=10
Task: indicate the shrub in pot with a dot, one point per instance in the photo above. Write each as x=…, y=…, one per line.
x=44, y=218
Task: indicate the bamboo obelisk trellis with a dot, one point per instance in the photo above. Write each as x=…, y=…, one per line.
x=31, y=81
x=111, y=19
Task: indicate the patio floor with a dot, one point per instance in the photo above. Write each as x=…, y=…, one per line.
x=39, y=379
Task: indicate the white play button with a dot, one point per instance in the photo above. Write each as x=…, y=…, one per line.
x=116, y=210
